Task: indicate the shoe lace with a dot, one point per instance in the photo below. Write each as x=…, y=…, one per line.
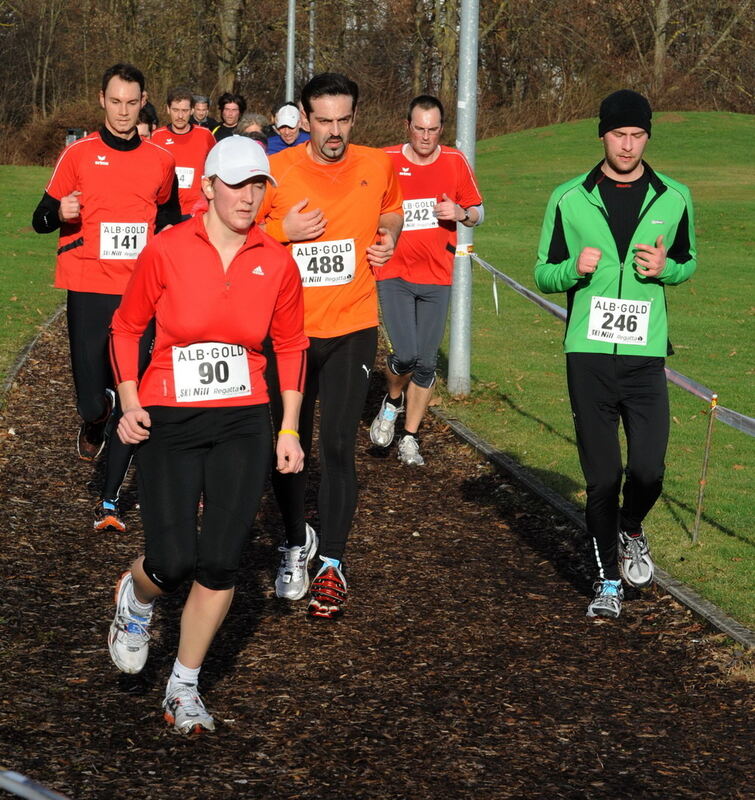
x=389, y=414
x=293, y=558
x=329, y=585
x=606, y=589
x=135, y=627
x=409, y=445
x=187, y=697
x=635, y=546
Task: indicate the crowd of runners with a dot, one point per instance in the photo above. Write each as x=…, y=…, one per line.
x=216, y=296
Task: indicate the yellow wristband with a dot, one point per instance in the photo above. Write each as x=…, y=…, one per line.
x=288, y=430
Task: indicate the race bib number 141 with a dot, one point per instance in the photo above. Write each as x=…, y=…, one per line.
x=122, y=240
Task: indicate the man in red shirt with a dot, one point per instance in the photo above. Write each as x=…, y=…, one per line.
x=108, y=195
x=439, y=191
x=189, y=144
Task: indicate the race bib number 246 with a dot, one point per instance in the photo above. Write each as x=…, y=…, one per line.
x=619, y=321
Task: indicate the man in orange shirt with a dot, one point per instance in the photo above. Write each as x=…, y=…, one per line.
x=338, y=208
x=189, y=144
x=108, y=195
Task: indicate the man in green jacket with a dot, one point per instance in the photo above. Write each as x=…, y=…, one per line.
x=613, y=239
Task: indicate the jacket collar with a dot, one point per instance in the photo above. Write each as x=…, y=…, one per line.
x=591, y=180
x=117, y=143
x=253, y=236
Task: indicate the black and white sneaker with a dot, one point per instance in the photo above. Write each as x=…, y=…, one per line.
x=607, y=600
x=185, y=711
x=292, y=580
x=408, y=451
x=128, y=639
x=635, y=564
x=383, y=426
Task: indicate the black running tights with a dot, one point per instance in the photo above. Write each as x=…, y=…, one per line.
x=338, y=371
x=604, y=389
x=89, y=315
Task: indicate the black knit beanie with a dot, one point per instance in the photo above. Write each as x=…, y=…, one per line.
x=624, y=109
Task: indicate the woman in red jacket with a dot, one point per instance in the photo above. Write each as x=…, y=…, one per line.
x=217, y=286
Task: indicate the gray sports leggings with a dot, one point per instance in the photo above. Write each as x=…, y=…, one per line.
x=414, y=315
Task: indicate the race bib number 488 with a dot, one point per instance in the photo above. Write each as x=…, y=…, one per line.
x=619, y=321
x=210, y=371
x=325, y=263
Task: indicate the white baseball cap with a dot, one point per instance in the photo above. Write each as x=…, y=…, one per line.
x=287, y=117
x=235, y=159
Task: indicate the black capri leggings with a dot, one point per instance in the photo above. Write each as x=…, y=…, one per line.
x=414, y=315
x=222, y=454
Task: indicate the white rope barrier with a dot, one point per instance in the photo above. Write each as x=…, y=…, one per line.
x=732, y=418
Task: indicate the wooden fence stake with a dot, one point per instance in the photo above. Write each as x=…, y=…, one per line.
x=704, y=473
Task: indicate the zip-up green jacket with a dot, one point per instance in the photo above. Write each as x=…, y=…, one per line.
x=615, y=310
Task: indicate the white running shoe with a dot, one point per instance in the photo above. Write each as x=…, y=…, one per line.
x=408, y=451
x=185, y=711
x=128, y=640
x=635, y=564
x=292, y=581
x=607, y=600
x=384, y=425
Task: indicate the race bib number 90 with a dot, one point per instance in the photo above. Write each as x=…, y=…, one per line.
x=418, y=214
x=619, y=321
x=122, y=240
x=325, y=263
x=185, y=177
x=210, y=371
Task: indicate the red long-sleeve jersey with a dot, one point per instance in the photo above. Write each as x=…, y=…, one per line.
x=210, y=323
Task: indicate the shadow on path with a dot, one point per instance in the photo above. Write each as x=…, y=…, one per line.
x=463, y=668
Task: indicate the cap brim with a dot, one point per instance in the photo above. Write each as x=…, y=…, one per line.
x=235, y=176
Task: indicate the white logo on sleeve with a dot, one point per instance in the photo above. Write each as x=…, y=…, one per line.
x=258, y=271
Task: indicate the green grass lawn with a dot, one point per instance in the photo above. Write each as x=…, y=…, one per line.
x=27, y=264
x=519, y=401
